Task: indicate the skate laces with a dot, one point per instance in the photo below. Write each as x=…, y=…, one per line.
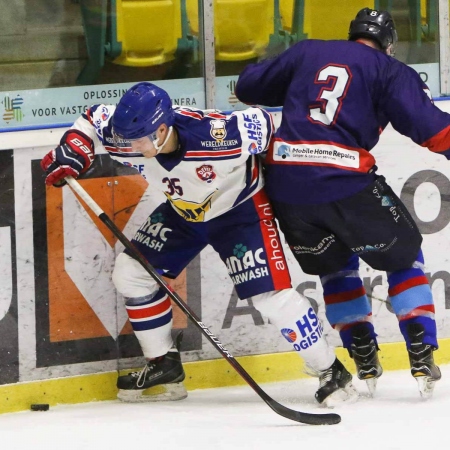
x=325, y=376
x=421, y=359
x=366, y=353
x=421, y=354
x=141, y=375
x=417, y=349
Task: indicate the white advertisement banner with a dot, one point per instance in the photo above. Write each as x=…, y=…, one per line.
x=28, y=109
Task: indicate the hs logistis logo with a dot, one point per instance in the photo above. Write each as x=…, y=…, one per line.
x=310, y=330
x=290, y=335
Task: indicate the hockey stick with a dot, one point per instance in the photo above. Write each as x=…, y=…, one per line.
x=302, y=417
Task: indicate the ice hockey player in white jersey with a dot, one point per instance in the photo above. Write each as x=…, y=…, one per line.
x=206, y=164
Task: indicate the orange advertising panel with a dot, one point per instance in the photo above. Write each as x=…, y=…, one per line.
x=73, y=318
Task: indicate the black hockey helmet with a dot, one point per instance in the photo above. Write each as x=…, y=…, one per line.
x=376, y=25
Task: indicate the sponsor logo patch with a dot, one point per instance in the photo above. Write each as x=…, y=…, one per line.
x=218, y=130
x=289, y=334
x=206, y=173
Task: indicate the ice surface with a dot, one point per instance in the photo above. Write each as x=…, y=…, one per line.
x=236, y=418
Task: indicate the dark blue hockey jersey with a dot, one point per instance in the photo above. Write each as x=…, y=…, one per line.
x=337, y=97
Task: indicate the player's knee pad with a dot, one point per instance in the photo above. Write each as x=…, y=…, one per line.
x=275, y=303
x=131, y=279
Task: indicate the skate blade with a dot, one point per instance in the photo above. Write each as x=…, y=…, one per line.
x=371, y=385
x=346, y=395
x=161, y=393
x=426, y=386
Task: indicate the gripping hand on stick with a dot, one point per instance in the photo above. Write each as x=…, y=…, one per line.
x=73, y=156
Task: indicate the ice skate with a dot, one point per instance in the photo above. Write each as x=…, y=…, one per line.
x=336, y=386
x=423, y=368
x=364, y=352
x=160, y=380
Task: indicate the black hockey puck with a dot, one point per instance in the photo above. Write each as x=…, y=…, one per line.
x=40, y=407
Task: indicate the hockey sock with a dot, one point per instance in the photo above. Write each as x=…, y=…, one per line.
x=346, y=300
x=151, y=319
x=412, y=300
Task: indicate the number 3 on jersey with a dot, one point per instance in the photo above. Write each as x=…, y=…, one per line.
x=329, y=101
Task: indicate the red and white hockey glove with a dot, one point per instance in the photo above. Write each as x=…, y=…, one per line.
x=73, y=156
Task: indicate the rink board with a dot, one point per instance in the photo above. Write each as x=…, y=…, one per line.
x=272, y=368
x=64, y=329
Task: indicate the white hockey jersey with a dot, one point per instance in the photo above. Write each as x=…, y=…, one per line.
x=215, y=167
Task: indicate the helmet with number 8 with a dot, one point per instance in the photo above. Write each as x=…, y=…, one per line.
x=376, y=25
x=141, y=110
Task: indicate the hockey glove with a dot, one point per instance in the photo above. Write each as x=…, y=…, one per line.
x=73, y=156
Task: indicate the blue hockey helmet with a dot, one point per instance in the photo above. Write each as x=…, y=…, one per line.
x=141, y=110
x=376, y=25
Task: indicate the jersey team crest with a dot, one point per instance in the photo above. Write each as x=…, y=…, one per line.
x=218, y=130
x=206, y=173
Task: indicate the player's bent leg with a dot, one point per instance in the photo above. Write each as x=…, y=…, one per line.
x=348, y=310
x=412, y=302
x=294, y=316
x=150, y=313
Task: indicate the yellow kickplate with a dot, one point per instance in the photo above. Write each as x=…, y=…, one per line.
x=199, y=375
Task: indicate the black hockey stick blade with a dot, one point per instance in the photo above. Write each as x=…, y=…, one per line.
x=303, y=417
x=297, y=416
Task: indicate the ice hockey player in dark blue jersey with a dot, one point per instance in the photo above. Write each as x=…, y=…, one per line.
x=332, y=205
